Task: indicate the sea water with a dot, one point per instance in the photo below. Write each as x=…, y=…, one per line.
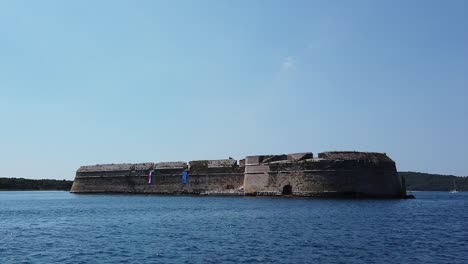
x=60, y=227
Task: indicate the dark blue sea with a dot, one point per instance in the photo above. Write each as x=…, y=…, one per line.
x=59, y=227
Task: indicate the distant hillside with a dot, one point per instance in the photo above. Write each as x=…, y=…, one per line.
x=417, y=181
x=20, y=184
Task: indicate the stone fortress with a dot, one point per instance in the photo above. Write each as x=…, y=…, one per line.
x=331, y=174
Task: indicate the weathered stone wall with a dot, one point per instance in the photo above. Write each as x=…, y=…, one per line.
x=107, y=178
x=204, y=177
x=332, y=174
x=221, y=177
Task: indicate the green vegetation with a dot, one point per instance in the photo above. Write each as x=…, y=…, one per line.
x=20, y=184
x=417, y=181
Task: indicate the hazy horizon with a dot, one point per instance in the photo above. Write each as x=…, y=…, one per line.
x=94, y=82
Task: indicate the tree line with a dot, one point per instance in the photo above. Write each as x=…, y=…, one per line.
x=418, y=181
x=21, y=184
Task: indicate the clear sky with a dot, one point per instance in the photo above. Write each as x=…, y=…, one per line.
x=87, y=82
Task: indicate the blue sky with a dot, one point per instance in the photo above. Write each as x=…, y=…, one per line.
x=86, y=82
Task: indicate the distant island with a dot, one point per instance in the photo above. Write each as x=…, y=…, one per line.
x=418, y=181
x=21, y=184
x=415, y=181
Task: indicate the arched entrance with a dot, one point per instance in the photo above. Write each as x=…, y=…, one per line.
x=287, y=190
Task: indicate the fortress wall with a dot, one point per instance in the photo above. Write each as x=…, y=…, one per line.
x=310, y=180
x=103, y=184
x=103, y=178
x=204, y=177
x=256, y=179
x=219, y=183
x=333, y=183
x=334, y=174
x=161, y=184
x=324, y=183
x=127, y=178
x=319, y=183
x=167, y=178
x=221, y=177
x=341, y=174
x=375, y=173
x=379, y=182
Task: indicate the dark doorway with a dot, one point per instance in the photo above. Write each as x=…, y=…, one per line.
x=287, y=190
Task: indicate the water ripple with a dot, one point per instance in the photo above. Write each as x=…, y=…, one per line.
x=58, y=227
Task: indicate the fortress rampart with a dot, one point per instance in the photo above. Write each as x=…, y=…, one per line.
x=331, y=174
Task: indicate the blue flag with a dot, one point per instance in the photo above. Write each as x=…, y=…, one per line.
x=184, y=177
